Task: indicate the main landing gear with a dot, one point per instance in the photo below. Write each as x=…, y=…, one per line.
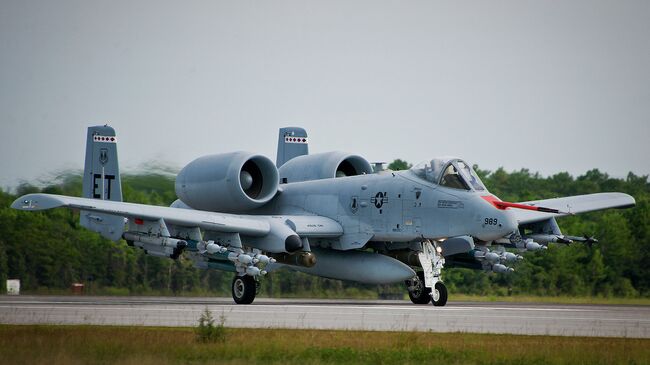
x=244, y=289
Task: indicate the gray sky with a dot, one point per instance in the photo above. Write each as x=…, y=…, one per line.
x=548, y=85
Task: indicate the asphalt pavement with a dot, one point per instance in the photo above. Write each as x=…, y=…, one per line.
x=384, y=315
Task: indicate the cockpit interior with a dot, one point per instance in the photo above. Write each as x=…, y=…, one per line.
x=449, y=172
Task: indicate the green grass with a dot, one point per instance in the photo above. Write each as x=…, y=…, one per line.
x=55, y=345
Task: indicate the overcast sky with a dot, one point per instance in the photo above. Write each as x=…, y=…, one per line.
x=547, y=85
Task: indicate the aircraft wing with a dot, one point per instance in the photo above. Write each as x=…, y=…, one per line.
x=573, y=205
x=248, y=225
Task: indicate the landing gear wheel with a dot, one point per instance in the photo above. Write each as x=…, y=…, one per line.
x=439, y=294
x=244, y=289
x=420, y=294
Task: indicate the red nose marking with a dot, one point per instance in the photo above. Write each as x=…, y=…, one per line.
x=503, y=205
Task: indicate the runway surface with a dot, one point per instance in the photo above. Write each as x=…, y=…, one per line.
x=385, y=315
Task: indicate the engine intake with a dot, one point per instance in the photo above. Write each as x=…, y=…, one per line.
x=229, y=182
x=323, y=166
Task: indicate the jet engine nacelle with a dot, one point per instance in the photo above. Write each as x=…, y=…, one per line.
x=229, y=182
x=323, y=166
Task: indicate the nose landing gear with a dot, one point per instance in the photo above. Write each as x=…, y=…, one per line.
x=420, y=294
x=439, y=294
x=426, y=286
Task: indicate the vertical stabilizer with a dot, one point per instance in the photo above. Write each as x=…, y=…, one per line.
x=101, y=180
x=292, y=142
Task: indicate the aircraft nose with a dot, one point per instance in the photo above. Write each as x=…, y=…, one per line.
x=510, y=223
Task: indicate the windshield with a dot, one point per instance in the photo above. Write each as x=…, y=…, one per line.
x=452, y=179
x=470, y=176
x=449, y=172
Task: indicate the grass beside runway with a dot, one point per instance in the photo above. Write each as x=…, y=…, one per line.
x=55, y=345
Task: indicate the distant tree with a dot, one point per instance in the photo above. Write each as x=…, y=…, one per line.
x=399, y=164
x=3, y=267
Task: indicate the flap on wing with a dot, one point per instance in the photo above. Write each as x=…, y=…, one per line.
x=573, y=205
x=220, y=222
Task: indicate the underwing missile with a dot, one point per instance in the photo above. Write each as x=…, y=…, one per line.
x=241, y=258
x=533, y=246
x=511, y=257
x=263, y=259
x=502, y=269
x=255, y=271
x=492, y=257
x=214, y=248
x=549, y=238
x=154, y=240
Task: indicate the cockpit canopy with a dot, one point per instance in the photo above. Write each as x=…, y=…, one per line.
x=450, y=172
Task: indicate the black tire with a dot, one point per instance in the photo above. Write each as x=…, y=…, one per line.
x=244, y=289
x=422, y=294
x=439, y=296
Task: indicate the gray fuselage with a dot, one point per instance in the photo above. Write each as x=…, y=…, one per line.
x=394, y=207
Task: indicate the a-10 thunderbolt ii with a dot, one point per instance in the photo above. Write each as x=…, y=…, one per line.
x=326, y=214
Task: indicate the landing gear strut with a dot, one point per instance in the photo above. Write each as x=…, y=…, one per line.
x=244, y=289
x=432, y=263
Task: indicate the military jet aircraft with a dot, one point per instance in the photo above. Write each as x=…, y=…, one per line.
x=326, y=214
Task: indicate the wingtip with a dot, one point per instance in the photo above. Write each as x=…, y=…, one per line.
x=31, y=202
x=630, y=202
x=25, y=202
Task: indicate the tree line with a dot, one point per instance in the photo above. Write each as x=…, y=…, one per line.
x=48, y=251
